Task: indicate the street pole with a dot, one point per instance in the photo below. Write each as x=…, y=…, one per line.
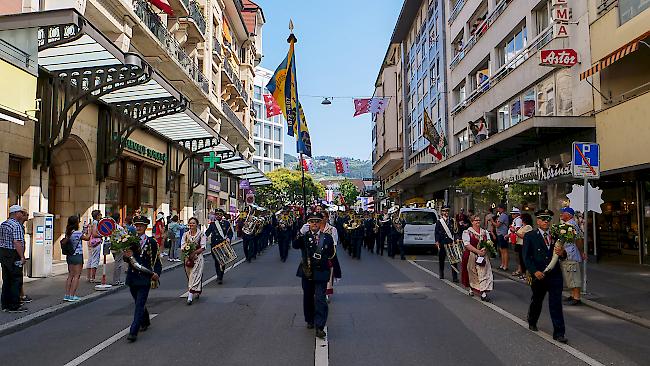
x=585, y=216
x=304, y=195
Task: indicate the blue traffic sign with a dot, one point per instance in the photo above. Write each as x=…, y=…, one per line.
x=585, y=162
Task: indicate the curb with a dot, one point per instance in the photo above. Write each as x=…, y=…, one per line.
x=44, y=314
x=592, y=304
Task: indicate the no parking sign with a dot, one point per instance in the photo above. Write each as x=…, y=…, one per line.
x=106, y=226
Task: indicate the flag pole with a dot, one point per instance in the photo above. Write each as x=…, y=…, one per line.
x=304, y=195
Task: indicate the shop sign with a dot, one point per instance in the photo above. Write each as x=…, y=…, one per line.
x=214, y=185
x=563, y=58
x=553, y=171
x=145, y=151
x=560, y=15
x=244, y=184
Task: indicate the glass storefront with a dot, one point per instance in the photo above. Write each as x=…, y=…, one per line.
x=618, y=233
x=131, y=185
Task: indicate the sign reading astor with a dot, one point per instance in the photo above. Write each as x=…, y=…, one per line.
x=566, y=57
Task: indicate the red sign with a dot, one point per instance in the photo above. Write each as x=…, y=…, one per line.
x=563, y=58
x=106, y=226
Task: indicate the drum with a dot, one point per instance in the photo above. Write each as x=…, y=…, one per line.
x=225, y=254
x=455, y=251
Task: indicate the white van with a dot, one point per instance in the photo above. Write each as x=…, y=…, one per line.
x=420, y=227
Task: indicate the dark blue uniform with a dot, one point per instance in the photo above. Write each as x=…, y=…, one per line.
x=356, y=241
x=139, y=282
x=442, y=238
x=216, y=238
x=318, y=249
x=396, y=241
x=284, y=236
x=537, y=255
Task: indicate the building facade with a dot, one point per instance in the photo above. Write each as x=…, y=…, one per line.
x=136, y=109
x=268, y=133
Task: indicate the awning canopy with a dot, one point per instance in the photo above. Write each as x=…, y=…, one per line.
x=244, y=169
x=614, y=56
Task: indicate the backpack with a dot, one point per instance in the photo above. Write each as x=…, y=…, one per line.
x=67, y=247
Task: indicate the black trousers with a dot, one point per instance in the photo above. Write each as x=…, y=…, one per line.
x=217, y=266
x=370, y=242
x=380, y=238
x=12, y=279
x=357, y=243
x=391, y=245
x=442, y=257
x=552, y=285
x=314, y=302
x=140, y=295
x=249, y=247
x=283, y=247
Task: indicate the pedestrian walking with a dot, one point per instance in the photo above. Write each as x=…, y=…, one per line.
x=193, y=244
x=143, y=274
x=501, y=224
x=118, y=255
x=75, y=259
x=174, y=237
x=94, y=246
x=489, y=224
x=575, y=254
x=527, y=225
x=445, y=233
x=538, y=251
x=476, y=268
x=219, y=230
x=317, y=250
x=12, y=259
x=515, y=225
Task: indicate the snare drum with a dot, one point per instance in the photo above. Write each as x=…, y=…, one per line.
x=455, y=251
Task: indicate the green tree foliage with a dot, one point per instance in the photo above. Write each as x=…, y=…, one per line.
x=484, y=190
x=286, y=188
x=516, y=196
x=349, y=191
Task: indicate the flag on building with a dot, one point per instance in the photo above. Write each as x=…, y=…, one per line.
x=342, y=165
x=272, y=108
x=370, y=105
x=163, y=5
x=307, y=164
x=284, y=89
x=431, y=134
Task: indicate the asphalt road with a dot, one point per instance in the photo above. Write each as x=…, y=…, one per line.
x=383, y=312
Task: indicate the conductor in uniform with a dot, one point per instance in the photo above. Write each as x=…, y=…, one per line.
x=317, y=250
x=445, y=233
x=144, y=270
x=218, y=231
x=538, y=252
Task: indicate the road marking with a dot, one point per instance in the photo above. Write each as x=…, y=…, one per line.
x=321, y=351
x=547, y=337
x=213, y=278
x=98, y=348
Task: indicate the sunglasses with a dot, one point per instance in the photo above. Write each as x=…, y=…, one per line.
x=545, y=219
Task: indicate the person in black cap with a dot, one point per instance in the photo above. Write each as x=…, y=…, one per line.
x=445, y=233
x=144, y=270
x=317, y=250
x=284, y=233
x=538, y=252
x=218, y=231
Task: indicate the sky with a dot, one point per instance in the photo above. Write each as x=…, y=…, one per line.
x=341, y=45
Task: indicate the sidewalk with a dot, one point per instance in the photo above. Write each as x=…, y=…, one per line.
x=621, y=290
x=47, y=294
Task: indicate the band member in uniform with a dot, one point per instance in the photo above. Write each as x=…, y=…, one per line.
x=194, y=261
x=538, y=252
x=445, y=233
x=396, y=237
x=248, y=240
x=218, y=231
x=356, y=231
x=284, y=234
x=317, y=250
x=369, y=232
x=144, y=269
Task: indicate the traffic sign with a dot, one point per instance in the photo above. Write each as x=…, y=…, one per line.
x=212, y=159
x=585, y=162
x=106, y=226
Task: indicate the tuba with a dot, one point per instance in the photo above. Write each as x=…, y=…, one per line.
x=252, y=221
x=396, y=219
x=354, y=223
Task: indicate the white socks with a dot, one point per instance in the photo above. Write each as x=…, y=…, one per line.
x=189, y=297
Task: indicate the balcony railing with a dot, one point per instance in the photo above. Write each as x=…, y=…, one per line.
x=605, y=5
x=174, y=49
x=197, y=16
x=19, y=56
x=480, y=31
x=457, y=8
x=216, y=47
x=537, y=44
x=232, y=117
x=235, y=80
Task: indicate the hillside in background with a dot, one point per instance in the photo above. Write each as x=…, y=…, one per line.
x=324, y=167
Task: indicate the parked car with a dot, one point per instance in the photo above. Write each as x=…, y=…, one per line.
x=419, y=228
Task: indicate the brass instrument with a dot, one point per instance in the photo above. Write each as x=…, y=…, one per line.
x=252, y=221
x=354, y=223
x=284, y=220
x=396, y=219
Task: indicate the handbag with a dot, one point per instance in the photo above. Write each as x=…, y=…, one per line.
x=480, y=261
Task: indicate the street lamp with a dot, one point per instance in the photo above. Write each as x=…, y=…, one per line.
x=326, y=101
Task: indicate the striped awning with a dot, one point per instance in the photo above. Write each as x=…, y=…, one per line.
x=614, y=56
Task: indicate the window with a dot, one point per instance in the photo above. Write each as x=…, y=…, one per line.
x=512, y=46
x=529, y=103
x=628, y=9
x=277, y=152
x=267, y=150
x=563, y=92
x=257, y=90
x=113, y=188
x=257, y=163
x=15, y=191
x=515, y=111
x=267, y=132
x=277, y=166
x=542, y=17
x=258, y=148
x=267, y=167
x=277, y=134
x=257, y=130
x=546, y=97
x=503, y=118
x=148, y=191
x=257, y=107
x=462, y=140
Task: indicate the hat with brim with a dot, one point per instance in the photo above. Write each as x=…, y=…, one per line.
x=544, y=214
x=16, y=208
x=315, y=216
x=141, y=220
x=568, y=210
x=515, y=210
x=220, y=212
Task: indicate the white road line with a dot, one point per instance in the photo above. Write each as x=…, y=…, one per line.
x=321, y=351
x=98, y=348
x=547, y=337
x=213, y=278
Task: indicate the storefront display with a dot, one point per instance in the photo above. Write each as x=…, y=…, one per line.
x=131, y=185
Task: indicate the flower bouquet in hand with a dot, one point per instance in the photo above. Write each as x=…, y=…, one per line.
x=122, y=240
x=563, y=233
x=186, y=253
x=488, y=245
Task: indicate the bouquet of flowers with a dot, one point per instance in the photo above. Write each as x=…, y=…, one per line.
x=488, y=245
x=187, y=249
x=121, y=240
x=563, y=233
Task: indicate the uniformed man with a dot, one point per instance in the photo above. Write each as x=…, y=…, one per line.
x=369, y=232
x=144, y=270
x=356, y=237
x=396, y=238
x=218, y=231
x=538, y=252
x=284, y=234
x=445, y=233
x=317, y=250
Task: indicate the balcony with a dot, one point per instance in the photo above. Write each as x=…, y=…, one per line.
x=234, y=79
x=170, y=44
x=234, y=120
x=181, y=7
x=457, y=8
x=480, y=31
x=216, y=50
x=531, y=50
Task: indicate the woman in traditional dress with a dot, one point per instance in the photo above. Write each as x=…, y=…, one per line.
x=194, y=261
x=476, y=269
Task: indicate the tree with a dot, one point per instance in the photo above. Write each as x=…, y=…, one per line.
x=349, y=191
x=286, y=188
x=484, y=190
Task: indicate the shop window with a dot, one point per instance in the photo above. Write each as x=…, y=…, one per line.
x=563, y=91
x=529, y=103
x=174, y=193
x=14, y=184
x=113, y=188
x=131, y=172
x=546, y=97
x=628, y=9
x=223, y=179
